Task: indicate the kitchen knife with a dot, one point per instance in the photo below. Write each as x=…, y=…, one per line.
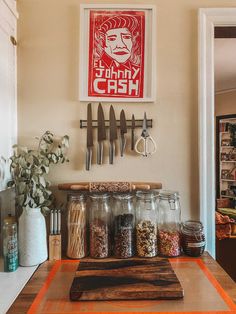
x=101, y=135
x=89, y=138
x=132, y=132
x=123, y=131
x=112, y=134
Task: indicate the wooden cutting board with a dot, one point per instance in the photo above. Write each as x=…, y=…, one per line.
x=125, y=279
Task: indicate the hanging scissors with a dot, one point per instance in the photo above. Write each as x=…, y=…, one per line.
x=145, y=144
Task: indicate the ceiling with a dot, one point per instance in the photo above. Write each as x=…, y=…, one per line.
x=225, y=64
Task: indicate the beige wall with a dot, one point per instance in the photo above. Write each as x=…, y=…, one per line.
x=48, y=33
x=225, y=103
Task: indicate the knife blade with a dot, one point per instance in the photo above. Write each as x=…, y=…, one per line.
x=123, y=131
x=101, y=135
x=89, y=138
x=112, y=134
x=132, y=132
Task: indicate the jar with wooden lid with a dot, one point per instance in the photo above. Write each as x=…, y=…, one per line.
x=193, y=238
x=169, y=217
x=146, y=224
x=76, y=224
x=100, y=226
x=123, y=225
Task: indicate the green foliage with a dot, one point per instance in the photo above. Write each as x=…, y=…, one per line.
x=29, y=168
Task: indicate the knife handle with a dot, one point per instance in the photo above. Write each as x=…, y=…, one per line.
x=132, y=139
x=88, y=158
x=99, y=153
x=111, y=152
x=122, y=145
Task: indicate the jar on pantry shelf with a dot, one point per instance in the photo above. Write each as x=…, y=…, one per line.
x=10, y=244
x=124, y=225
x=193, y=238
x=169, y=217
x=100, y=226
x=76, y=224
x=146, y=224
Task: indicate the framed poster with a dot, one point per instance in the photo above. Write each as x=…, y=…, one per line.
x=117, y=53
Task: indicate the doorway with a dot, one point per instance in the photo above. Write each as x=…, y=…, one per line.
x=208, y=20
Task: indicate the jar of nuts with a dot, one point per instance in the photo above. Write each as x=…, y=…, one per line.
x=100, y=226
x=169, y=214
x=124, y=225
x=146, y=224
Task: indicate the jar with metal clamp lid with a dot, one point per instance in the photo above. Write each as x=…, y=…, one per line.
x=100, y=226
x=76, y=223
x=124, y=225
x=146, y=224
x=193, y=238
x=169, y=213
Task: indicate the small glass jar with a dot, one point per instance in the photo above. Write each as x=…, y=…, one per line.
x=193, y=238
x=76, y=223
x=169, y=214
x=146, y=224
x=10, y=244
x=100, y=226
x=124, y=226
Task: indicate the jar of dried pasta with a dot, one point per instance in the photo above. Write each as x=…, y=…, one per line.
x=146, y=224
x=76, y=224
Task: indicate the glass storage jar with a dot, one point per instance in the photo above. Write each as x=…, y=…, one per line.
x=169, y=214
x=10, y=244
x=146, y=224
x=124, y=225
x=76, y=224
x=100, y=226
x=193, y=238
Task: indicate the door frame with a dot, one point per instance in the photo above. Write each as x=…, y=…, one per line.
x=208, y=18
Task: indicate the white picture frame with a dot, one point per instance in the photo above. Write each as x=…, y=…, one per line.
x=89, y=90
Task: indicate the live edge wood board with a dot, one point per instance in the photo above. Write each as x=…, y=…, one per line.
x=125, y=279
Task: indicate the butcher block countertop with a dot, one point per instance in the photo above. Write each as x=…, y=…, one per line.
x=46, y=277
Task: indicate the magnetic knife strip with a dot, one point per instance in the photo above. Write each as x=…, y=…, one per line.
x=138, y=123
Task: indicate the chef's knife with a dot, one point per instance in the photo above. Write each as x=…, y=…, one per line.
x=132, y=132
x=123, y=131
x=89, y=137
x=101, y=135
x=112, y=134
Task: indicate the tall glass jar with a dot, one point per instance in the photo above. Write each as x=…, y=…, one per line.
x=76, y=223
x=10, y=244
x=169, y=217
x=100, y=226
x=146, y=224
x=193, y=238
x=124, y=226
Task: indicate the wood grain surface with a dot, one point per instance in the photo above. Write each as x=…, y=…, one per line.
x=30, y=291
x=125, y=279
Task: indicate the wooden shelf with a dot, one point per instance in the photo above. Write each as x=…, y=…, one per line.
x=224, y=161
x=228, y=180
x=227, y=196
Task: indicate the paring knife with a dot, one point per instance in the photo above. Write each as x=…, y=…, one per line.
x=101, y=135
x=132, y=132
x=123, y=131
x=89, y=138
x=112, y=134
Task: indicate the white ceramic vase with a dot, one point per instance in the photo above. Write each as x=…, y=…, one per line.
x=32, y=237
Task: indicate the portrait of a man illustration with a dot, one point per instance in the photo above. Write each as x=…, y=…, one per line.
x=116, y=62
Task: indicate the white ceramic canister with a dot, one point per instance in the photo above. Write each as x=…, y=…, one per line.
x=32, y=237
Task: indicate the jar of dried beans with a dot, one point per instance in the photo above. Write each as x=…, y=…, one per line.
x=169, y=213
x=76, y=224
x=193, y=238
x=124, y=225
x=146, y=224
x=100, y=226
